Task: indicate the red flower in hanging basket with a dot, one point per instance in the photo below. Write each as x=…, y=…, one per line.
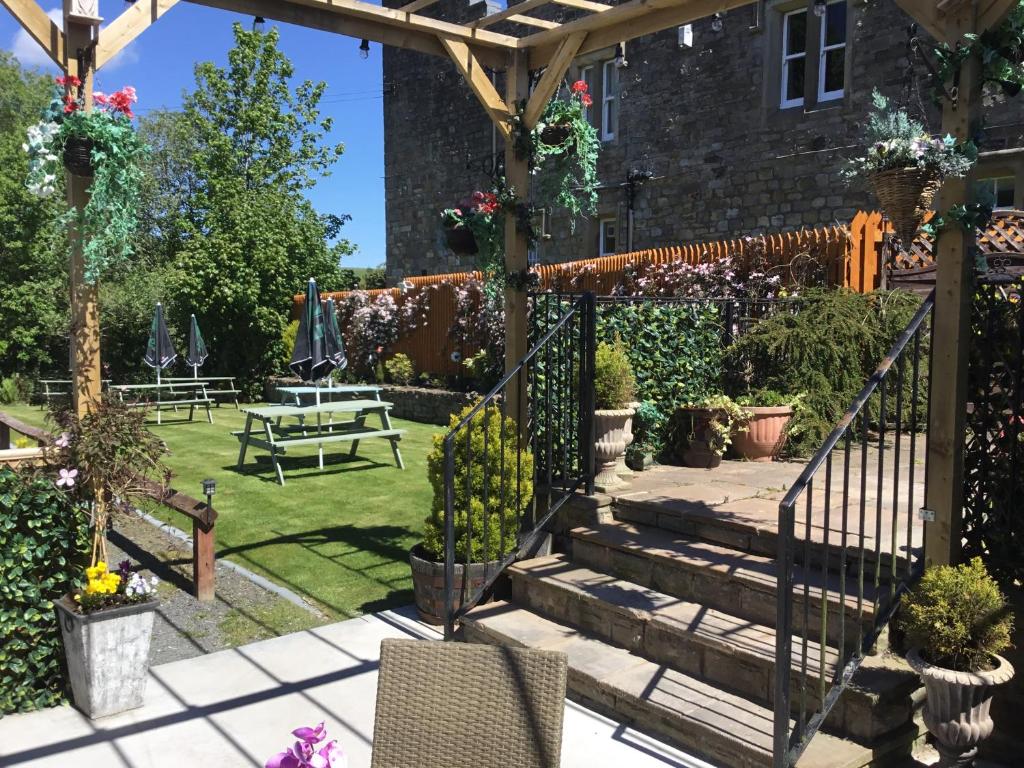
x=70, y=105
x=586, y=100
x=580, y=86
x=69, y=82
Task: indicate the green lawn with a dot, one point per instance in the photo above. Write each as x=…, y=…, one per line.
x=339, y=538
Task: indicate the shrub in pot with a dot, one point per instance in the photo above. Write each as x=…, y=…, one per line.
x=705, y=428
x=488, y=463
x=648, y=423
x=108, y=459
x=769, y=415
x=614, y=386
x=957, y=622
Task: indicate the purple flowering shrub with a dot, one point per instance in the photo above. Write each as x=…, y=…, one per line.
x=304, y=753
x=372, y=324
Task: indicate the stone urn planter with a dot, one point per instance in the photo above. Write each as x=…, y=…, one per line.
x=610, y=439
x=428, y=583
x=108, y=655
x=766, y=433
x=956, y=710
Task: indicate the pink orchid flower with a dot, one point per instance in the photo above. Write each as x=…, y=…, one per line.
x=67, y=478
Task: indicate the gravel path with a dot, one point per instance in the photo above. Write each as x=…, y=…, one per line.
x=241, y=613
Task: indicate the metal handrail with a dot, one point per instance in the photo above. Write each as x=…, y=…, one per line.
x=789, y=746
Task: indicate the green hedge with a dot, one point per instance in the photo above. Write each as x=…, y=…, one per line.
x=44, y=546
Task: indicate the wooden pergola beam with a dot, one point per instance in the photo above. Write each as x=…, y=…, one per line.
x=529, y=21
x=130, y=24
x=39, y=26
x=623, y=22
x=585, y=5
x=417, y=5
x=549, y=81
x=480, y=83
x=288, y=13
x=515, y=10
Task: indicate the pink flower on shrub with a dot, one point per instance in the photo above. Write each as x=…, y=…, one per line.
x=66, y=478
x=63, y=441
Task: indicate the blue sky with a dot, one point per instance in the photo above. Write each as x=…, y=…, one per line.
x=159, y=63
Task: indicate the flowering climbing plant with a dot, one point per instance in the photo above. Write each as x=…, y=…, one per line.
x=109, y=220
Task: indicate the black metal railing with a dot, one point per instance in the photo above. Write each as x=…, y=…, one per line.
x=520, y=454
x=849, y=540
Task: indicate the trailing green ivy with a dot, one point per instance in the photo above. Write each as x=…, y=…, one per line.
x=44, y=547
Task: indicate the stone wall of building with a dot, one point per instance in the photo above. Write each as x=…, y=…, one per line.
x=703, y=120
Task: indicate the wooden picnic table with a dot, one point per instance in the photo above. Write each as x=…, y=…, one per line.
x=231, y=390
x=277, y=438
x=296, y=395
x=168, y=395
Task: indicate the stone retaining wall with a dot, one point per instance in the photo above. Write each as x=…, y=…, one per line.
x=428, y=406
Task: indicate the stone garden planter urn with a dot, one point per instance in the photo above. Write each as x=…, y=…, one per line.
x=610, y=439
x=108, y=655
x=956, y=710
x=428, y=583
x=766, y=433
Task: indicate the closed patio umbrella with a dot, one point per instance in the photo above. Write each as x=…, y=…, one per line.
x=159, y=349
x=309, y=358
x=197, y=353
x=332, y=338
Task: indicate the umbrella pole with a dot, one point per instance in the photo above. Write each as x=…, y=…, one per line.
x=320, y=446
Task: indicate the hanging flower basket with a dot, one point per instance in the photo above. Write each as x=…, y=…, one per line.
x=555, y=135
x=461, y=241
x=78, y=156
x=905, y=195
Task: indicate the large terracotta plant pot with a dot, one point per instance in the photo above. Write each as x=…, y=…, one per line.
x=461, y=241
x=699, y=453
x=956, y=710
x=766, y=433
x=108, y=655
x=428, y=583
x=610, y=431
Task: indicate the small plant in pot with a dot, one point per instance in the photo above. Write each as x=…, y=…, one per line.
x=957, y=622
x=486, y=466
x=648, y=423
x=707, y=428
x=614, y=386
x=107, y=459
x=763, y=436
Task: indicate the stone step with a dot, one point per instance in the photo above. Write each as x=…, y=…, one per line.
x=700, y=641
x=751, y=525
x=698, y=717
x=738, y=583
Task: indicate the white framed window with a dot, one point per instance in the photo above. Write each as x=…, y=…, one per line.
x=609, y=99
x=999, y=192
x=609, y=229
x=794, y=58
x=832, y=52
x=587, y=76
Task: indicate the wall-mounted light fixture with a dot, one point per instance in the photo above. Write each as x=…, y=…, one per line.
x=820, y=8
x=717, y=22
x=620, y=56
x=685, y=36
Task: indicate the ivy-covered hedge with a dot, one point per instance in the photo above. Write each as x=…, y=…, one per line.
x=675, y=350
x=44, y=545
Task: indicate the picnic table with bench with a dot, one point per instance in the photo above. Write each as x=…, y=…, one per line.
x=230, y=390
x=273, y=436
x=57, y=388
x=168, y=396
x=306, y=394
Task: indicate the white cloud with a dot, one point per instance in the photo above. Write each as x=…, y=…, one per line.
x=28, y=51
x=31, y=54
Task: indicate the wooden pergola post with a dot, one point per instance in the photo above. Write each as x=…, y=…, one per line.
x=85, y=321
x=517, y=175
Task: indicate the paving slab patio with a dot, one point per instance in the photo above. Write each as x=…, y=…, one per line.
x=236, y=708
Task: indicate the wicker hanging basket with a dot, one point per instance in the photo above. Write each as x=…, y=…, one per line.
x=905, y=195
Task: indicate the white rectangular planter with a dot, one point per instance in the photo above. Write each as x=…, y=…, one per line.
x=107, y=654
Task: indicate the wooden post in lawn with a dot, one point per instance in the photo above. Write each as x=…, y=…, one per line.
x=517, y=176
x=85, y=321
x=954, y=289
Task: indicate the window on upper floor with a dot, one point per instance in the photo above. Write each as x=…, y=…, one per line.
x=812, y=53
x=832, y=52
x=999, y=191
x=609, y=99
x=608, y=230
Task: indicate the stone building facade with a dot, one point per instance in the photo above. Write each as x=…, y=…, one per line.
x=730, y=126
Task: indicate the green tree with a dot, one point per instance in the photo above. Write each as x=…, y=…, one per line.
x=248, y=236
x=33, y=265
